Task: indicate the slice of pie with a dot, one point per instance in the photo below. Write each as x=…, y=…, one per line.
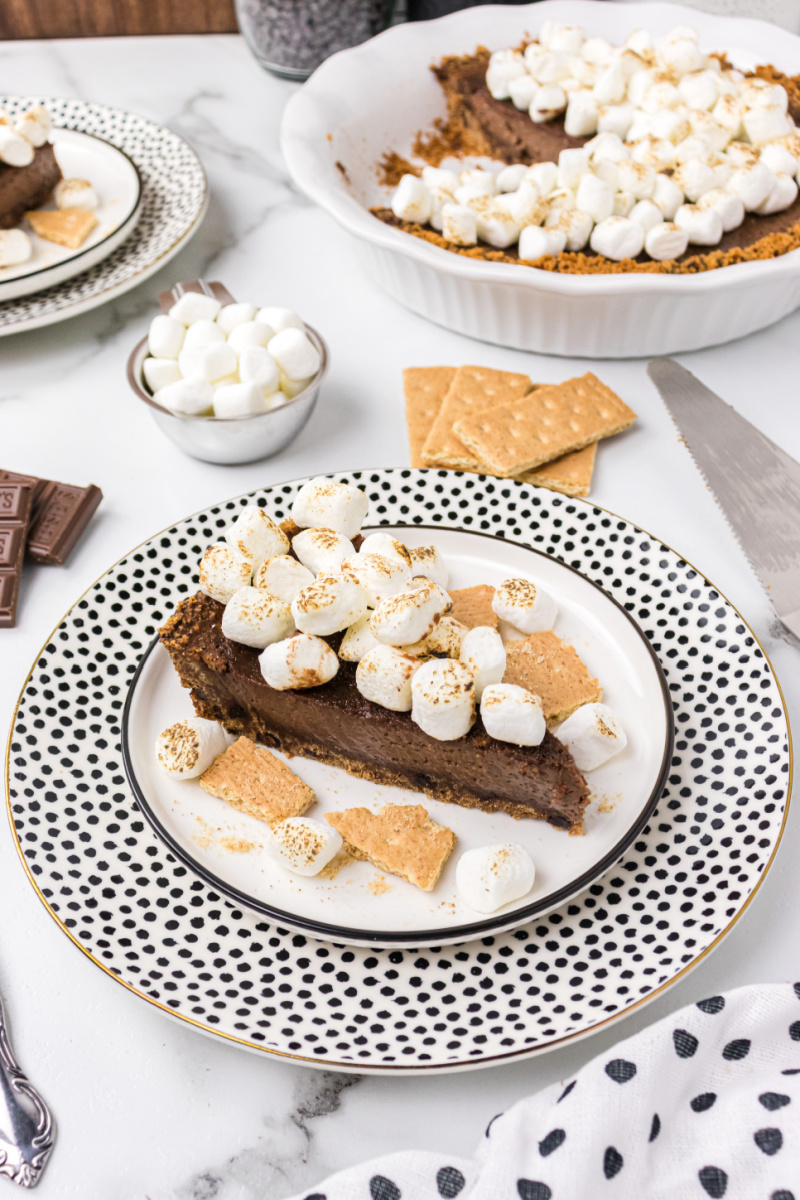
x=22, y=188
x=401, y=839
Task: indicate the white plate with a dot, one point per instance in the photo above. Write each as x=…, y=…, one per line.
x=116, y=181
x=361, y=905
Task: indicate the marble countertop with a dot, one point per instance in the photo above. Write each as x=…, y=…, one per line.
x=147, y=1107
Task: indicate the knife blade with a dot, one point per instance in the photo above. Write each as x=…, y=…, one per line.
x=756, y=484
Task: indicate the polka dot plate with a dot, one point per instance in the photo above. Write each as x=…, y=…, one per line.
x=174, y=197
x=149, y=921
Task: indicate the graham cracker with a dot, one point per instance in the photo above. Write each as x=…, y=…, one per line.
x=550, y=422
x=473, y=606
x=401, y=839
x=252, y=779
x=425, y=388
x=571, y=475
x=472, y=391
x=552, y=669
x=68, y=227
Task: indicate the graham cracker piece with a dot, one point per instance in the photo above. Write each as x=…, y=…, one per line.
x=571, y=474
x=252, y=779
x=550, y=422
x=401, y=839
x=473, y=606
x=472, y=391
x=68, y=227
x=425, y=388
x=552, y=669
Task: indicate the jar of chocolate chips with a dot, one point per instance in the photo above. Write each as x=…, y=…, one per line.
x=292, y=37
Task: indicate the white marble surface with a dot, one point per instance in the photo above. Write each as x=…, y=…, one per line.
x=147, y=1107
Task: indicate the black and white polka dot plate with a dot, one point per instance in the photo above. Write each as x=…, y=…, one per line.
x=173, y=203
x=150, y=922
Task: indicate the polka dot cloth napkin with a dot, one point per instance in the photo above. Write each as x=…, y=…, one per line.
x=704, y=1103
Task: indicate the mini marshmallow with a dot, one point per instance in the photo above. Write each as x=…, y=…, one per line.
x=202, y=333
x=702, y=226
x=384, y=676
x=647, y=213
x=699, y=89
x=225, y=381
x=576, y=226
x=534, y=242
x=598, y=51
x=658, y=153
x=443, y=641
x=544, y=175
x=640, y=41
x=231, y=315
x=752, y=184
x=194, y=306
x=34, y=125
x=728, y=112
x=75, y=193
x=490, y=877
x=15, y=247
x=694, y=178
x=283, y=577
x=255, y=535
x=165, y=338
x=714, y=134
x=592, y=735
x=426, y=560
x=295, y=353
x=157, y=372
x=443, y=699
x=618, y=238
x=611, y=84
x=509, y=178
x=188, y=748
x=328, y=505
x=303, y=846
x=253, y=617
x=188, y=396
x=500, y=73
x=250, y=333
x=484, y=652
x=409, y=616
x=665, y=241
x=289, y=387
x=572, y=164
x=459, y=224
x=624, y=203
x=670, y=124
x=322, y=550
x=358, y=640
x=782, y=196
x=15, y=150
x=667, y=195
x=594, y=197
x=547, y=101
x=729, y=207
x=379, y=577
x=582, y=115
x=523, y=89
x=256, y=365
x=442, y=178
x=681, y=55
x=439, y=197
x=636, y=178
x=411, y=200
x=301, y=661
x=223, y=570
x=207, y=362
x=607, y=145
x=606, y=170
x=513, y=714
x=567, y=39
x=279, y=319
x=614, y=118
x=527, y=607
x=387, y=546
x=693, y=147
x=551, y=68
x=328, y=605
x=238, y=400
x=764, y=124
x=524, y=205
x=779, y=159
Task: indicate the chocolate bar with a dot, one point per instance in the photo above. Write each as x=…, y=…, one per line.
x=60, y=514
x=15, y=511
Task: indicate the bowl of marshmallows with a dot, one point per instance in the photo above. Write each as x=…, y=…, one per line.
x=227, y=382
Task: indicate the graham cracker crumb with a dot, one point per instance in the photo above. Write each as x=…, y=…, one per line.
x=379, y=886
x=253, y=780
x=237, y=845
x=401, y=839
x=552, y=669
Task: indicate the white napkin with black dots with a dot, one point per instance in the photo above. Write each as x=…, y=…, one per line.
x=704, y=1103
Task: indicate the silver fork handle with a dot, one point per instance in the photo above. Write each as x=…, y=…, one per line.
x=27, y=1129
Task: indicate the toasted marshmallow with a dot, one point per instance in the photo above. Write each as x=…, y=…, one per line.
x=279, y=319
x=657, y=153
x=231, y=315
x=283, y=577
x=544, y=175
x=699, y=89
x=256, y=365
x=694, y=178
x=157, y=372
x=379, y=577
x=207, y=362
x=640, y=41
x=255, y=535
x=255, y=618
x=572, y=164
x=546, y=100
x=647, y=213
x=411, y=200
x=328, y=505
x=303, y=846
x=611, y=84
x=322, y=550
x=598, y=51
x=497, y=227
x=328, y=605
x=567, y=38
x=387, y=546
x=509, y=178
x=513, y=714
x=527, y=607
x=443, y=699
x=624, y=204
x=762, y=124
x=440, y=177
x=489, y=877
x=188, y=396
x=459, y=224
x=782, y=196
x=714, y=134
x=165, y=337
x=34, y=125
x=576, y=226
x=614, y=118
x=384, y=676
x=443, y=641
x=484, y=652
x=728, y=112
x=439, y=197
x=223, y=571
x=358, y=640
x=667, y=195
x=239, y=400
x=188, y=748
x=500, y=73
x=194, y=306
x=295, y=353
x=301, y=661
x=607, y=145
x=15, y=150
x=426, y=560
x=594, y=197
x=409, y=616
x=671, y=125
x=665, y=241
x=779, y=159
x=606, y=170
x=681, y=55
x=524, y=205
x=551, y=67
x=250, y=333
x=582, y=114
x=534, y=242
x=636, y=178
x=15, y=247
x=752, y=184
x=617, y=238
x=592, y=735
x=729, y=207
x=75, y=193
x=703, y=227
x=202, y=333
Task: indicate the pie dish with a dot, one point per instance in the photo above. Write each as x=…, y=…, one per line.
x=350, y=99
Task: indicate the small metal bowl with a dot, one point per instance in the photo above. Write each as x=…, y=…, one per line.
x=232, y=440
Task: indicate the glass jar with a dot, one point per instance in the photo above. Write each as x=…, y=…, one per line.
x=292, y=37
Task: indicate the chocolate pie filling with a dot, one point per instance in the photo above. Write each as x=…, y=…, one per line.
x=24, y=188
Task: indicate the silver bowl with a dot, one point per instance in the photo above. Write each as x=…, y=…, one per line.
x=231, y=440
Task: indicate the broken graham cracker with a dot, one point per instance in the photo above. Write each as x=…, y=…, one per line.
x=552, y=669
x=473, y=606
x=571, y=475
x=472, y=391
x=550, y=422
x=401, y=839
x=425, y=388
x=68, y=227
x=252, y=779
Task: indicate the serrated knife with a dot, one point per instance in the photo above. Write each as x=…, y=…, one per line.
x=756, y=484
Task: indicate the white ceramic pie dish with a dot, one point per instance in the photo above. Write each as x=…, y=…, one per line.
x=376, y=97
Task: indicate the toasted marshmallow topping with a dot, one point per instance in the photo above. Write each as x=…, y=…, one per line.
x=358, y=640
x=75, y=193
x=255, y=535
x=443, y=641
x=188, y=748
x=513, y=714
x=384, y=676
x=283, y=577
x=303, y=846
x=322, y=550
x=426, y=560
x=329, y=604
x=411, y=201
x=223, y=570
x=409, y=616
x=485, y=654
x=459, y=224
x=301, y=661
x=702, y=226
x=34, y=125
x=15, y=150
x=524, y=605
x=165, y=338
x=752, y=184
x=388, y=547
x=593, y=735
x=491, y=876
x=15, y=247
x=194, y=306
x=324, y=504
x=618, y=238
x=379, y=577
x=666, y=240
x=729, y=207
x=443, y=699
x=255, y=618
